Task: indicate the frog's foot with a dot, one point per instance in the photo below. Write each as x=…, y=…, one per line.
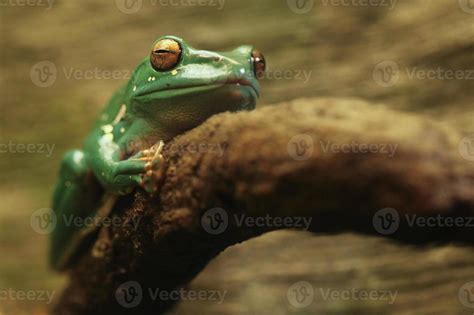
x=154, y=168
x=126, y=176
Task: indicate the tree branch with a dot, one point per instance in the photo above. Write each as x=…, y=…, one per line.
x=308, y=158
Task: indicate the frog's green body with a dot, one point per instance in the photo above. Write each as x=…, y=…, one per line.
x=155, y=105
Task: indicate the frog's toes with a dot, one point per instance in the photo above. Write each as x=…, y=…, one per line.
x=149, y=167
x=153, y=179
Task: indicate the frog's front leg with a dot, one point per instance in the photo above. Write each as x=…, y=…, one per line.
x=150, y=165
x=78, y=194
x=105, y=157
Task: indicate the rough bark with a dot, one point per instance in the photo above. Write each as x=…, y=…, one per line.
x=259, y=174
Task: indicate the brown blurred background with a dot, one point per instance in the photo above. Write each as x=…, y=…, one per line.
x=385, y=52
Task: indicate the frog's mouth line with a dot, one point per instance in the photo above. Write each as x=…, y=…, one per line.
x=191, y=89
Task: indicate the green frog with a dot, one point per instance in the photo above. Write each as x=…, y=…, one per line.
x=174, y=89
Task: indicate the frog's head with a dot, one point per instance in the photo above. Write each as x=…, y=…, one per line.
x=177, y=87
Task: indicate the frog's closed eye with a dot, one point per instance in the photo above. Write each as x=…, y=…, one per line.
x=165, y=55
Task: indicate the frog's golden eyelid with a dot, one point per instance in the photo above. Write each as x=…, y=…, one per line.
x=165, y=55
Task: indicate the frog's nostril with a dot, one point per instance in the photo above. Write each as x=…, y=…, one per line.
x=259, y=64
